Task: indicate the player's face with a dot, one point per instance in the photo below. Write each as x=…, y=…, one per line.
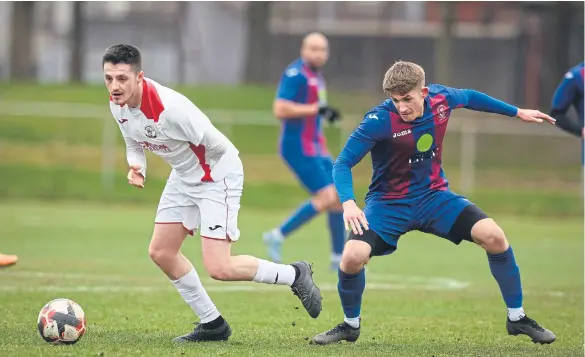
x=410, y=106
x=316, y=53
x=123, y=83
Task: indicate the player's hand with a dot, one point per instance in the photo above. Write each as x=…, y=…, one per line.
x=135, y=178
x=330, y=114
x=354, y=218
x=534, y=116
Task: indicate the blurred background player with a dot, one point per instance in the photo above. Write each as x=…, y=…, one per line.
x=569, y=93
x=202, y=192
x=7, y=260
x=301, y=105
x=409, y=191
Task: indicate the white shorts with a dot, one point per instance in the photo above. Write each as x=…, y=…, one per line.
x=211, y=207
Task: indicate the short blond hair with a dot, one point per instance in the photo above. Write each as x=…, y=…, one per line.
x=403, y=77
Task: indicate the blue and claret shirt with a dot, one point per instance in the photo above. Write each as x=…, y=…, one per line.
x=302, y=136
x=570, y=93
x=407, y=156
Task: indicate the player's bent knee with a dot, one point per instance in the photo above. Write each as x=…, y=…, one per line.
x=325, y=198
x=489, y=236
x=217, y=267
x=355, y=255
x=166, y=241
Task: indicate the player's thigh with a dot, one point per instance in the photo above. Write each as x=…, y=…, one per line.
x=361, y=247
x=170, y=226
x=448, y=215
x=167, y=238
x=219, y=205
x=389, y=220
x=178, y=205
x=310, y=172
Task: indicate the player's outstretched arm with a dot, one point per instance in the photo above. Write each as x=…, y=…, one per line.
x=562, y=100
x=481, y=102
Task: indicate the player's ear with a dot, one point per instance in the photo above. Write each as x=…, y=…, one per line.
x=140, y=77
x=424, y=92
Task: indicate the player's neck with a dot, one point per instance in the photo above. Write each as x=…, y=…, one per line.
x=309, y=66
x=136, y=99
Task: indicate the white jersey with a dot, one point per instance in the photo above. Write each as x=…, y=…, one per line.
x=172, y=127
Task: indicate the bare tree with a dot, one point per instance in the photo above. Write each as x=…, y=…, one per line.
x=77, y=34
x=443, y=44
x=258, y=40
x=22, y=62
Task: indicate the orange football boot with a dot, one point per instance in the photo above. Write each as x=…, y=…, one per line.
x=7, y=260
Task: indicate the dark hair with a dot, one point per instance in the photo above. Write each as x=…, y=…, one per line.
x=126, y=54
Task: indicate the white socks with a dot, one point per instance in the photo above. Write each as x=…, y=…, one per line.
x=194, y=294
x=272, y=273
x=352, y=321
x=515, y=314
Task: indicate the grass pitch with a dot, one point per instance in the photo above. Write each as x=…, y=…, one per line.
x=430, y=298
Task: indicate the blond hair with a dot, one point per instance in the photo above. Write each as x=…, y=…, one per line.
x=403, y=77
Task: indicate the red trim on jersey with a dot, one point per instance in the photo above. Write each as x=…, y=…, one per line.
x=440, y=119
x=310, y=122
x=199, y=151
x=216, y=238
x=151, y=104
x=227, y=211
x=399, y=170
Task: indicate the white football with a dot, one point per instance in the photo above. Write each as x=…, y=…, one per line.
x=61, y=321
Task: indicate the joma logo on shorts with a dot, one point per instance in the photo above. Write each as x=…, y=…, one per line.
x=402, y=133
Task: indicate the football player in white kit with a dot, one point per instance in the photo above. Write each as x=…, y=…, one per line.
x=203, y=192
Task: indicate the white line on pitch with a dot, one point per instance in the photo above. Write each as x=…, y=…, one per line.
x=374, y=281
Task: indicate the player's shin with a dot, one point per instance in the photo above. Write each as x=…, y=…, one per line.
x=302, y=215
x=338, y=236
x=195, y=295
x=351, y=288
x=506, y=272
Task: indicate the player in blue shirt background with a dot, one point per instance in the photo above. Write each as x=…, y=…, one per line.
x=301, y=105
x=570, y=93
x=409, y=191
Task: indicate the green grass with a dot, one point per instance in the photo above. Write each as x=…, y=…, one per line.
x=64, y=182
x=97, y=256
x=60, y=158
x=249, y=97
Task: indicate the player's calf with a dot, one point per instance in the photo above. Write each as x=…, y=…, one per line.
x=221, y=265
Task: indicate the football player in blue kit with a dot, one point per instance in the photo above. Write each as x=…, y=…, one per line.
x=301, y=106
x=409, y=191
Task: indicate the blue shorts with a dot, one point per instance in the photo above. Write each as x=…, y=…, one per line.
x=314, y=173
x=434, y=212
